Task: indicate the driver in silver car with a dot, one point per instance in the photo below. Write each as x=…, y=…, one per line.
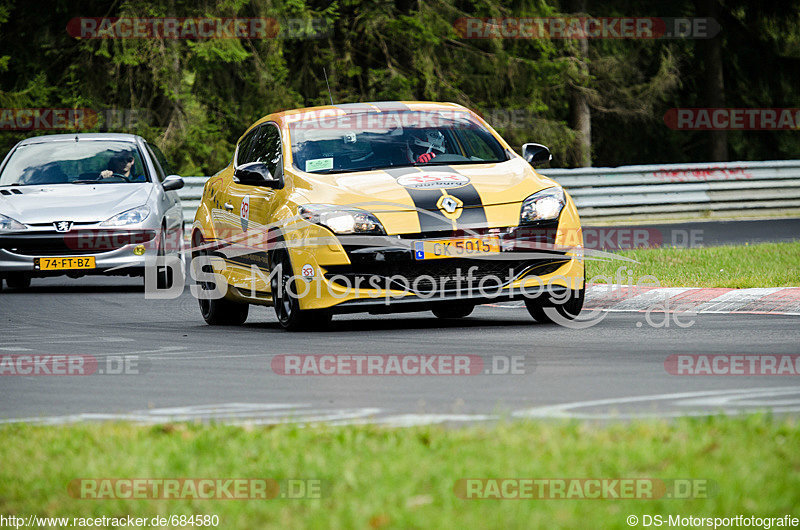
x=121, y=165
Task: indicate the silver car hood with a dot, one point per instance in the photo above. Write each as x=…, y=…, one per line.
x=80, y=203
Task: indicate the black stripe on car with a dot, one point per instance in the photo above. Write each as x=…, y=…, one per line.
x=473, y=214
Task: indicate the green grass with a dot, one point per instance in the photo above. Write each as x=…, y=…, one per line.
x=761, y=265
x=404, y=478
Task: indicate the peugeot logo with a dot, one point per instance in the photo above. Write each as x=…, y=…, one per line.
x=63, y=226
x=449, y=205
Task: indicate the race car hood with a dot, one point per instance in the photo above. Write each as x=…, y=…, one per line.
x=80, y=203
x=410, y=188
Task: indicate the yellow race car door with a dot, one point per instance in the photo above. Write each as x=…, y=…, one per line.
x=258, y=174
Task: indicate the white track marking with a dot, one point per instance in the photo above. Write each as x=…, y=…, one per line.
x=568, y=410
x=699, y=403
x=411, y=420
x=229, y=413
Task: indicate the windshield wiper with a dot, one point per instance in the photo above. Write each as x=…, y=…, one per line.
x=461, y=162
x=85, y=181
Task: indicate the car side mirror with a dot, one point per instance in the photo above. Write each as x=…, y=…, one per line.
x=536, y=154
x=172, y=183
x=256, y=174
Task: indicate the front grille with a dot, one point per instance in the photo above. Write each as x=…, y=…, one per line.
x=79, y=242
x=526, y=238
x=441, y=275
x=76, y=225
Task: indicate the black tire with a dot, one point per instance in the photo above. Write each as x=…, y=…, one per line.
x=453, y=310
x=164, y=277
x=287, y=306
x=568, y=309
x=219, y=312
x=18, y=280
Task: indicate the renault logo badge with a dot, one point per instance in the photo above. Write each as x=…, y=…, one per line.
x=450, y=206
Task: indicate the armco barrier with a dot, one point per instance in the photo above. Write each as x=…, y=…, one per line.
x=730, y=189
x=190, y=195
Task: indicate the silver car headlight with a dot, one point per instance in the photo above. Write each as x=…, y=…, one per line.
x=543, y=205
x=341, y=220
x=129, y=217
x=8, y=224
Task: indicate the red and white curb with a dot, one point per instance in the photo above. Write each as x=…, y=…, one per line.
x=772, y=300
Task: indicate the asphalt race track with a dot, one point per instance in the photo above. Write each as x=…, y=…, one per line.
x=188, y=370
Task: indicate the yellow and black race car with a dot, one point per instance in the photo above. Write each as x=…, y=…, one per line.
x=383, y=207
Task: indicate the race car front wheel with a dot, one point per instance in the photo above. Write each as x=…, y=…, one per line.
x=163, y=274
x=285, y=300
x=219, y=312
x=542, y=308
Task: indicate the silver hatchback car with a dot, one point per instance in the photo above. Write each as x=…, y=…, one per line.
x=89, y=203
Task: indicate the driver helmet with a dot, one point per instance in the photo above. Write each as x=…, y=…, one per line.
x=432, y=141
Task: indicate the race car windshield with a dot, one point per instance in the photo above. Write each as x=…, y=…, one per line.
x=70, y=162
x=380, y=140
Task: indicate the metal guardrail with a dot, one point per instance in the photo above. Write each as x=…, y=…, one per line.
x=191, y=194
x=727, y=189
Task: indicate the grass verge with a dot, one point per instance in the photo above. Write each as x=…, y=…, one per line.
x=404, y=478
x=761, y=265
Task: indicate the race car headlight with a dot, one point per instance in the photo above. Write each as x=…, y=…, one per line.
x=341, y=220
x=8, y=224
x=128, y=217
x=543, y=205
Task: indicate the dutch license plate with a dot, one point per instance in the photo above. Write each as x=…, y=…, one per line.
x=65, y=263
x=455, y=248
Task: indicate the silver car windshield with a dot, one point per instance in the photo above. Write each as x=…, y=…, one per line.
x=82, y=162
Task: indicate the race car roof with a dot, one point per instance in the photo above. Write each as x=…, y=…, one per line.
x=343, y=109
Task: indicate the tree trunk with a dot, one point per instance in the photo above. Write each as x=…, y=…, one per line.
x=714, y=90
x=580, y=113
x=581, y=121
